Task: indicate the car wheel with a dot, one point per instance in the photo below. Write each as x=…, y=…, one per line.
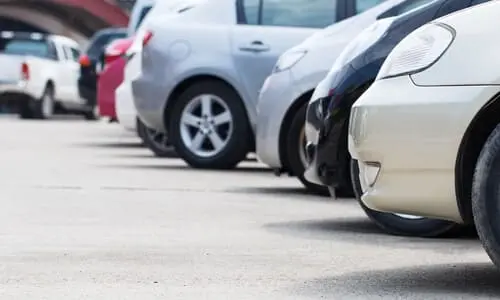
x=155, y=141
x=44, y=107
x=399, y=224
x=209, y=127
x=296, y=154
x=486, y=195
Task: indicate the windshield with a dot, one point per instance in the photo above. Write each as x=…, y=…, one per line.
x=24, y=47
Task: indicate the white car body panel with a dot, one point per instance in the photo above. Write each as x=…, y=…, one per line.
x=414, y=125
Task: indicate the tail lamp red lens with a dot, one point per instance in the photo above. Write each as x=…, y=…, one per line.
x=147, y=38
x=25, y=71
x=84, y=61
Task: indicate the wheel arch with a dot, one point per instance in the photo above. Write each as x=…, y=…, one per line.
x=285, y=126
x=184, y=84
x=476, y=134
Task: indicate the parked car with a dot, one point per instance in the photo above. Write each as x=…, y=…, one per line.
x=425, y=134
x=139, y=12
x=87, y=81
x=155, y=140
x=328, y=113
x=202, y=71
x=38, y=72
x=283, y=99
x=111, y=76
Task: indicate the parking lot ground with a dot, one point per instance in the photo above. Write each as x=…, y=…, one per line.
x=89, y=214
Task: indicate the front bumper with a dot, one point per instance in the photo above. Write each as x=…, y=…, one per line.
x=412, y=134
x=277, y=92
x=125, y=109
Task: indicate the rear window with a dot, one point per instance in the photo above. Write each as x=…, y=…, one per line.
x=24, y=47
x=142, y=15
x=97, y=46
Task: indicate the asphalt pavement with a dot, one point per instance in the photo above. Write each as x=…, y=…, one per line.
x=87, y=213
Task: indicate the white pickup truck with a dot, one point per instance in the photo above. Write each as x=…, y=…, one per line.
x=39, y=73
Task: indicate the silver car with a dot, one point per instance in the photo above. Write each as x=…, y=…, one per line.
x=282, y=104
x=202, y=71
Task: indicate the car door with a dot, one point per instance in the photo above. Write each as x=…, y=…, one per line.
x=61, y=69
x=74, y=68
x=267, y=28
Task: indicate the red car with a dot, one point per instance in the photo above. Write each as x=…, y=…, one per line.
x=111, y=76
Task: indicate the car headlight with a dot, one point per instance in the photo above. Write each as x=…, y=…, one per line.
x=364, y=40
x=288, y=60
x=418, y=51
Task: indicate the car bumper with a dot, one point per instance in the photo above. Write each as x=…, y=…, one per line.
x=125, y=109
x=406, y=139
x=149, y=100
x=278, y=91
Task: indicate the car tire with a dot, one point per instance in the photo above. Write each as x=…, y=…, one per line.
x=295, y=152
x=45, y=106
x=233, y=137
x=485, y=195
x=397, y=224
x=158, y=145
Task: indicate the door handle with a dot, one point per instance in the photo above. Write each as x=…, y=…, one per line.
x=255, y=46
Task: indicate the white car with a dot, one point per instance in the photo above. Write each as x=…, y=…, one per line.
x=125, y=110
x=280, y=138
x=39, y=71
x=426, y=134
x=220, y=53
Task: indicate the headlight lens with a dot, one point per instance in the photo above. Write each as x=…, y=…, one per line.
x=288, y=60
x=418, y=51
x=364, y=40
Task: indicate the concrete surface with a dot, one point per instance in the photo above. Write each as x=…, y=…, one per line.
x=88, y=214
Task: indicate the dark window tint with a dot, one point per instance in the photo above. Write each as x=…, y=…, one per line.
x=404, y=7
x=75, y=54
x=142, y=15
x=24, y=47
x=251, y=11
x=475, y=2
x=299, y=13
x=362, y=5
x=101, y=41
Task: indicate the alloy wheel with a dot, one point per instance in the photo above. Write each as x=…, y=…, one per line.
x=206, y=125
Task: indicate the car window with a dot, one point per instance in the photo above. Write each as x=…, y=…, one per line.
x=98, y=45
x=291, y=13
x=475, y=2
x=75, y=53
x=362, y=5
x=404, y=7
x=24, y=47
x=67, y=53
x=251, y=11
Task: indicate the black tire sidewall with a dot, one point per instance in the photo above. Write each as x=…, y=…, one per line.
x=239, y=143
x=142, y=132
x=49, y=91
x=485, y=196
x=394, y=224
x=292, y=155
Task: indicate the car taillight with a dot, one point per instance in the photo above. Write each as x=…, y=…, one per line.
x=25, y=71
x=110, y=57
x=84, y=61
x=147, y=37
